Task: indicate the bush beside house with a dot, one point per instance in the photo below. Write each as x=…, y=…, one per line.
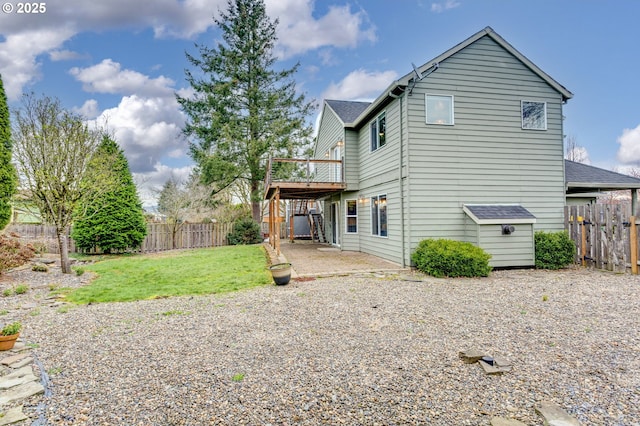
x=449, y=258
x=245, y=231
x=554, y=250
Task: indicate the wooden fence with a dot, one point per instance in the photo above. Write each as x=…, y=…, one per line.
x=606, y=236
x=159, y=236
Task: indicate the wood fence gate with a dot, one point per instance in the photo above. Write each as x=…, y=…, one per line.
x=606, y=236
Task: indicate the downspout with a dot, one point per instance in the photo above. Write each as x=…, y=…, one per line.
x=400, y=186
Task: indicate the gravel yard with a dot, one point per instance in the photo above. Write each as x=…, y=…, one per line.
x=357, y=350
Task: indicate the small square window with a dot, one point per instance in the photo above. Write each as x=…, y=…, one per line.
x=534, y=115
x=378, y=132
x=439, y=109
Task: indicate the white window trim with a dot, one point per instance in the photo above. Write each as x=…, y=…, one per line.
x=546, y=118
x=377, y=121
x=347, y=216
x=387, y=201
x=426, y=115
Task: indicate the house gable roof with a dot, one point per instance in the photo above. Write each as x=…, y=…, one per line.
x=347, y=111
x=582, y=177
x=400, y=85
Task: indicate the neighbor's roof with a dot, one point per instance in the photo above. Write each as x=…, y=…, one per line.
x=585, y=177
x=403, y=82
x=347, y=111
x=498, y=213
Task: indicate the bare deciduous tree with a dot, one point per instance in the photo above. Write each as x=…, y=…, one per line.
x=53, y=147
x=575, y=152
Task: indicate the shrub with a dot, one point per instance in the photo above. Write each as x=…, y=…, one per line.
x=13, y=253
x=39, y=267
x=554, y=250
x=245, y=231
x=449, y=258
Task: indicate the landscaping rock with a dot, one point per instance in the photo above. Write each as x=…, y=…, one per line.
x=471, y=356
x=501, y=421
x=21, y=391
x=18, y=377
x=554, y=415
x=14, y=358
x=13, y=415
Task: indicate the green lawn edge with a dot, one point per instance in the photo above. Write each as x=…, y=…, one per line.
x=174, y=273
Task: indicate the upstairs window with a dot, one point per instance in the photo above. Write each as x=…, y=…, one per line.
x=534, y=115
x=378, y=132
x=439, y=109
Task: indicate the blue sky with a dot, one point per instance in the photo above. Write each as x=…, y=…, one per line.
x=122, y=61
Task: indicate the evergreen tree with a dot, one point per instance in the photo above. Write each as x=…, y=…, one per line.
x=113, y=220
x=243, y=109
x=8, y=177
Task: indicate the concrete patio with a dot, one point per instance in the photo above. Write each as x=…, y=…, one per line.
x=313, y=259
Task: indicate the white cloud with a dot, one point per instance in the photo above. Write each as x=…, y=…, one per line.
x=147, y=129
x=629, y=151
x=150, y=183
x=299, y=31
x=109, y=77
x=89, y=109
x=360, y=85
x=443, y=6
x=28, y=37
x=64, y=55
x=147, y=123
x=18, y=54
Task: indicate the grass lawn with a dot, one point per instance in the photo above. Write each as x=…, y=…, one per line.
x=177, y=273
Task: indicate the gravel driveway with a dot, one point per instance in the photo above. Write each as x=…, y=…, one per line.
x=356, y=350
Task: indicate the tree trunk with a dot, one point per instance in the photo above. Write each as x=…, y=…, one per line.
x=255, y=203
x=63, y=245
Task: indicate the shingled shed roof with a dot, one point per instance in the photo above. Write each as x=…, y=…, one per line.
x=347, y=111
x=488, y=214
x=582, y=177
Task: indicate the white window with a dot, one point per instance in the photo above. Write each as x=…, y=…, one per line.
x=378, y=132
x=534, y=115
x=352, y=216
x=379, y=215
x=439, y=109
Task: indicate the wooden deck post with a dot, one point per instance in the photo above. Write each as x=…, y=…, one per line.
x=291, y=216
x=584, y=243
x=271, y=240
x=278, y=221
x=633, y=241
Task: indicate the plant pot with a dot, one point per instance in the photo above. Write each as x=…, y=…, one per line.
x=7, y=342
x=281, y=273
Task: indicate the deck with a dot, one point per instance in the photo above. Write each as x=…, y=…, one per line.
x=301, y=179
x=294, y=178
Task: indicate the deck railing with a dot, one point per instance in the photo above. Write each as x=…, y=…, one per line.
x=304, y=171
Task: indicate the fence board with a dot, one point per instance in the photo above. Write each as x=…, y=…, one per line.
x=159, y=236
x=602, y=234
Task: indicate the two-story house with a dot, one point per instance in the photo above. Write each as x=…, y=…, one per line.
x=468, y=146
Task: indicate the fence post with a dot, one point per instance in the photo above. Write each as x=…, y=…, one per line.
x=583, y=244
x=633, y=241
